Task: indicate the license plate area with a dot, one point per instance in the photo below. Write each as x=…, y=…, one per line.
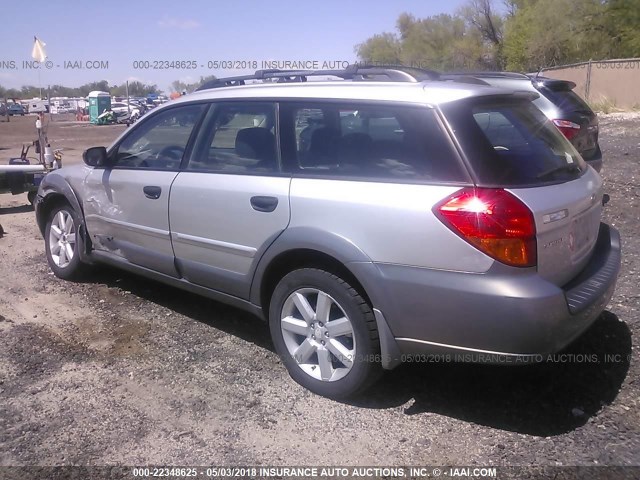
x=583, y=233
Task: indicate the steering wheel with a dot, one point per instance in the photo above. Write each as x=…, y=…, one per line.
x=171, y=152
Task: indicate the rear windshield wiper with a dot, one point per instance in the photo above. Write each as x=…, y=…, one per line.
x=560, y=169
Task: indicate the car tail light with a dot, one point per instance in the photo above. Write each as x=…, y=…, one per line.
x=494, y=221
x=568, y=128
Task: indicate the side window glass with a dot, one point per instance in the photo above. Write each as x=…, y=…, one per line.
x=238, y=138
x=310, y=125
x=159, y=142
x=372, y=141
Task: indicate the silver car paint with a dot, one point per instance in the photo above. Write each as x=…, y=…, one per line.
x=389, y=222
x=228, y=231
x=565, y=244
x=419, y=93
x=122, y=220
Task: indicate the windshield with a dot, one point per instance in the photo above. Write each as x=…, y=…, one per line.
x=510, y=142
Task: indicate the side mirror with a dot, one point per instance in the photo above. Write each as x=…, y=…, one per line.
x=95, y=157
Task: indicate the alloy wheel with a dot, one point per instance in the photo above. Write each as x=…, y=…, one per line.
x=318, y=334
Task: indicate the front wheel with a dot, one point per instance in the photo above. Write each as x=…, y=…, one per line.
x=63, y=243
x=325, y=333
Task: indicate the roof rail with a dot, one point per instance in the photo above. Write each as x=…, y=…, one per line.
x=356, y=72
x=486, y=74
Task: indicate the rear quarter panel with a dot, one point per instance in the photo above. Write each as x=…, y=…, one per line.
x=390, y=222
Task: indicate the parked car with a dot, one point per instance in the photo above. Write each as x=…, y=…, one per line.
x=557, y=100
x=368, y=222
x=125, y=113
x=15, y=109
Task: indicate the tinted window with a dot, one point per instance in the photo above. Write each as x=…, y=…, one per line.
x=565, y=99
x=354, y=140
x=159, y=141
x=237, y=137
x=512, y=143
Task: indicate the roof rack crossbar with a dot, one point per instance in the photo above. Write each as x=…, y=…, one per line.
x=352, y=72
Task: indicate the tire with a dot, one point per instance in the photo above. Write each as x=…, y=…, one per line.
x=333, y=348
x=58, y=253
x=31, y=197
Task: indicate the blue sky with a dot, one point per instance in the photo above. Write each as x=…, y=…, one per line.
x=122, y=32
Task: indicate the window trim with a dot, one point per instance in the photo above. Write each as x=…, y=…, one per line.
x=113, y=149
x=289, y=157
x=214, y=107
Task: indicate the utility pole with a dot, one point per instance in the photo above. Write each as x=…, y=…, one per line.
x=127, y=91
x=49, y=101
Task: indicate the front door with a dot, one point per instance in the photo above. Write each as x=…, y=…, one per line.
x=127, y=205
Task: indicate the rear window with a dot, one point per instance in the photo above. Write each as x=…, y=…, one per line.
x=565, y=99
x=512, y=143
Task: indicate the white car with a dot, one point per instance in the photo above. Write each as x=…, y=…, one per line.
x=124, y=112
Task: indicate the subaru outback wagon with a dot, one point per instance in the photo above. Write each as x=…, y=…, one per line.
x=367, y=221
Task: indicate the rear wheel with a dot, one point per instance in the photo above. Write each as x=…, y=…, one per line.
x=63, y=243
x=325, y=333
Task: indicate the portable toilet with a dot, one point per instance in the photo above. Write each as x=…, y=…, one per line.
x=98, y=103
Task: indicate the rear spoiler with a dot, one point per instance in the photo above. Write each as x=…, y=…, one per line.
x=554, y=84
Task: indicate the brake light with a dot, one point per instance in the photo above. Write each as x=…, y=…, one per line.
x=569, y=129
x=494, y=221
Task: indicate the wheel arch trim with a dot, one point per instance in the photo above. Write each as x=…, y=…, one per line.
x=343, y=251
x=54, y=185
x=304, y=238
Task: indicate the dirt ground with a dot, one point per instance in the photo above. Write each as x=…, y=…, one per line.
x=63, y=133
x=122, y=370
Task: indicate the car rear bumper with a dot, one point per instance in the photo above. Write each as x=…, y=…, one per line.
x=595, y=159
x=493, y=316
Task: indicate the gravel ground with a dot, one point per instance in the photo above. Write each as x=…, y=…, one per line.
x=122, y=370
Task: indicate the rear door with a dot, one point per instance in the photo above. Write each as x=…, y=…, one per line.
x=232, y=200
x=512, y=145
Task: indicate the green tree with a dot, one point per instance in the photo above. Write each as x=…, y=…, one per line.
x=180, y=86
x=527, y=35
x=469, y=39
x=136, y=89
x=382, y=48
x=480, y=15
x=622, y=22
x=542, y=33
x=102, y=86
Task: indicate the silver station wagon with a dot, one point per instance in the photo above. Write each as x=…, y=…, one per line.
x=372, y=218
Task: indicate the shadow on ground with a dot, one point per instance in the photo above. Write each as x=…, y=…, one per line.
x=223, y=317
x=26, y=208
x=544, y=399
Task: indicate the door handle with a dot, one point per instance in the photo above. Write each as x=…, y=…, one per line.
x=264, y=204
x=151, y=191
